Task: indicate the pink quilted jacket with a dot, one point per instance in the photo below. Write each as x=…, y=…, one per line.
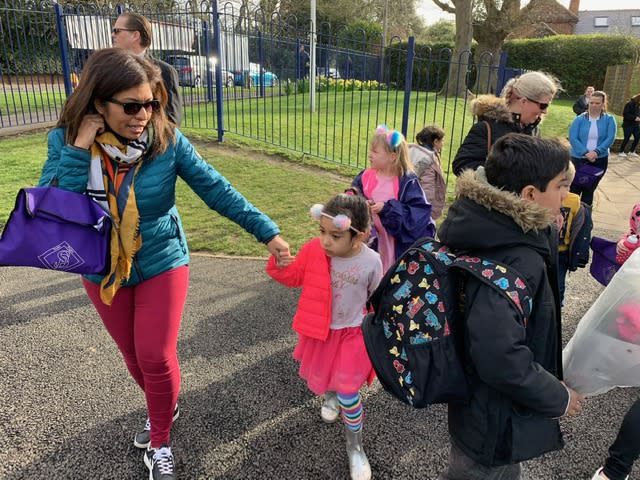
x=311, y=271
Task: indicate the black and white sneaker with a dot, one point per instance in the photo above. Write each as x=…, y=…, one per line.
x=160, y=463
x=142, y=439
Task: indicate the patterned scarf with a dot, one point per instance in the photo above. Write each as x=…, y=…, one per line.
x=111, y=182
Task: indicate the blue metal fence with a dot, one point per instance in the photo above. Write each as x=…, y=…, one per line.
x=243, y=74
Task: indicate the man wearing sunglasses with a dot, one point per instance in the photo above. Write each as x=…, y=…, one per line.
x=132, y=32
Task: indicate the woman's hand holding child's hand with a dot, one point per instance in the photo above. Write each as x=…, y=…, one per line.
x=91, y=126
x=279, y=248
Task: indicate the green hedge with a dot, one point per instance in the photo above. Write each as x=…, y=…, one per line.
x=577, y=60
x=430, y=69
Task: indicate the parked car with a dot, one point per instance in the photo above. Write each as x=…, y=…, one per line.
x=227, y=77
x=252, y=77
x=182, y=64
x=327, y=72
x=192, y=70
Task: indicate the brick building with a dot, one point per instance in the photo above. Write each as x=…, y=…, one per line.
x=543, y=18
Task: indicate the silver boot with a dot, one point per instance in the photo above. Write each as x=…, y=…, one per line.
x=358, y=462
x=330, y=410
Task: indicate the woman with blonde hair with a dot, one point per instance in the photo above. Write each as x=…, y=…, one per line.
x=591, y=134
x=519, y=109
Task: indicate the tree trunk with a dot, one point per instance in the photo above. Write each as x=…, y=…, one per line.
x=490, y=33
x=487, y=62
x=460, y=61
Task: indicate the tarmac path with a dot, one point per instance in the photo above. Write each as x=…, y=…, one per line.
x=69, y=408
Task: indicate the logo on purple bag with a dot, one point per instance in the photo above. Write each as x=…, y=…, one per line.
x=61, y=257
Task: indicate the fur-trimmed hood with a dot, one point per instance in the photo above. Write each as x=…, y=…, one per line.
x=485, y=217
x=528, y=215
x=491, y=107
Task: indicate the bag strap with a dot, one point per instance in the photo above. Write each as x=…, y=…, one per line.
x=488, y=125
x=502, y=278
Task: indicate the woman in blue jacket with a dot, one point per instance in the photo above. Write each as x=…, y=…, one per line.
x=591, y=134
x=114, y=141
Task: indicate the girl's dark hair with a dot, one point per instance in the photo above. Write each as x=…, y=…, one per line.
x=517, y=160
x=108, y=72
x=353, y=206
x=429, y=134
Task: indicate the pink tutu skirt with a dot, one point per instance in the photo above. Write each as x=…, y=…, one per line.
x=339, y=364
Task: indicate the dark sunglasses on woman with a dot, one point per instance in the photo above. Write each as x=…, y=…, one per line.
x=132, y=108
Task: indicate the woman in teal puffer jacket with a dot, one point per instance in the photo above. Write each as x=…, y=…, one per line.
x=113, y=141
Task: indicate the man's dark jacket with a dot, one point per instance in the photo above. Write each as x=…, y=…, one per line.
x=494, y=110
x=171, y=83
x=514, y=371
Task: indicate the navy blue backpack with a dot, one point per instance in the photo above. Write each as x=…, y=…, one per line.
x=413, y=337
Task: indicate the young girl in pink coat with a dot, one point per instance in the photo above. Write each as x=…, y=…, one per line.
x=337, y=273
x=629, y=241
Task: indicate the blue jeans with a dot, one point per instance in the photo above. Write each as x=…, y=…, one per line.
x=626, y=447
x=462, y=467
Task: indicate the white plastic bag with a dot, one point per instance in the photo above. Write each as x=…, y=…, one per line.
x=604, y=351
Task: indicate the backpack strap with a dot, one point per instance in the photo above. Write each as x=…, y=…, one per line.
x=501, y=278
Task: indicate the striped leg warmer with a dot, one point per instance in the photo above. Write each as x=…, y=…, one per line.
x=351, y=409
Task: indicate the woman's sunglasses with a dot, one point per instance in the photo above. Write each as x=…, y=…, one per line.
x=543, y=106
x=132, y=108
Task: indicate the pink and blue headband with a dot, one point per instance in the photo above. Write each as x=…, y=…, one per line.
x=393, y=137
x=340, y=221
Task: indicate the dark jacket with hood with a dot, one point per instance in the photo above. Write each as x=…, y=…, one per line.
x=475, y=147
x=513, y=369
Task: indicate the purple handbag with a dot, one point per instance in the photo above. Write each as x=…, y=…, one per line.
x=603, y=263
x=56, y=229
x=587, y=176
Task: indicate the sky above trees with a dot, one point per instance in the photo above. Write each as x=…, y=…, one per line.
x=431, y=14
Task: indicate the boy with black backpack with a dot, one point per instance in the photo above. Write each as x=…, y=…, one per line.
x=505, y=212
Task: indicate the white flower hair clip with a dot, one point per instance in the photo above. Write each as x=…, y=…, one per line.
x=340, y=221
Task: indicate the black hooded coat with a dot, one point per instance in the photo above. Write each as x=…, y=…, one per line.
x=514, y=370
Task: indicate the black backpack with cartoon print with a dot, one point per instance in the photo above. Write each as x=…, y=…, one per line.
x=413, y=337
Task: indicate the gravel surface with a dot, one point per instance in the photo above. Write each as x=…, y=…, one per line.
x=70, y=410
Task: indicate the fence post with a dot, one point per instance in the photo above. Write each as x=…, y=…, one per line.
x=408, y=79
x=207, y=53
x=216, y=51
x=501, y=76
x=260, y=62
x=64, y=52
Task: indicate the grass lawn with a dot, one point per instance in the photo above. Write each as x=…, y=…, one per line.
x=19, y=103
x=283, y=189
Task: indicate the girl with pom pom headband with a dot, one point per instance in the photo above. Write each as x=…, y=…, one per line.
x=340, y=221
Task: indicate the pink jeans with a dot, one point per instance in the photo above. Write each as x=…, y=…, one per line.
x=144, y=321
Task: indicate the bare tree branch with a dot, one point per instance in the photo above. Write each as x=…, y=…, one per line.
x=444, y=6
